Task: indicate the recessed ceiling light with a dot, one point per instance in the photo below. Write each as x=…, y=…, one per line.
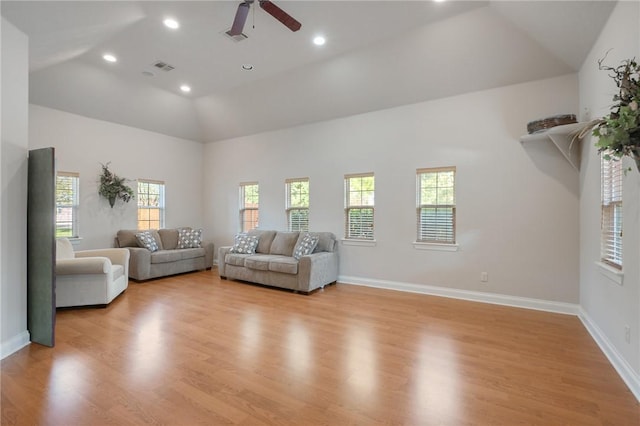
x=109, y=57
x=185, y=88
x=171, y=23
x=247, y=67
x=319, y=41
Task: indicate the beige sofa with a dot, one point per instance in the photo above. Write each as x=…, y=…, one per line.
x=167, y=260
x=89, y=277
x=273, y=263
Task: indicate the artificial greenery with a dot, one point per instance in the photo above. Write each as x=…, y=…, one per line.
x=619, y=133
x=113, y=186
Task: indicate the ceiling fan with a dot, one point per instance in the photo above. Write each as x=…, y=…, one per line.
x=267, y=6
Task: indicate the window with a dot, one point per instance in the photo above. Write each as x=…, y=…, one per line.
x=436, y=205
x=359, y=203
x=67, y=204
x=297, y=207
x=150, y=204
x=611, y=227
x=249, y=203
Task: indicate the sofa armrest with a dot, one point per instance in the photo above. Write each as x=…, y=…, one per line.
x=222, y=253
x=83, y=265
x=118, y=256
x=316, y=270
x=208, y=255
x=139, y=263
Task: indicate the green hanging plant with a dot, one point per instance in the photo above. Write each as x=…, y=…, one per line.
x=619, y=133
x=113, y=186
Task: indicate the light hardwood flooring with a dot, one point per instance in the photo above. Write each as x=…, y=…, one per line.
x=194, y=349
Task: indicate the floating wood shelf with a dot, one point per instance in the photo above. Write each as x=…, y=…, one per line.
x=564, y=137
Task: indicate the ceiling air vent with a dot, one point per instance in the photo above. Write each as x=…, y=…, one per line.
x=163, y=66
x=237, y=38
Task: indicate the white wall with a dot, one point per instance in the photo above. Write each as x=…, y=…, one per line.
x=517, y=206
x=607, y=305
x=13, y=202
x=82, y=144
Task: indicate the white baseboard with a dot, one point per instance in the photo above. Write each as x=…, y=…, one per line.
x=476, y=296
x=630, y=377
x=14, y=344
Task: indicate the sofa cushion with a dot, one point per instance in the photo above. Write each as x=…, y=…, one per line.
x=168, y=238
x=235, y=259
x=127, y=238
x=265, y=239
x=118, y=271
x=192, y=253
x=189, y=238
x=258, y=261
x=285, y=264
x=326, y=241
x=283, y=243
x=146, y=240
x=64, y=249
x=244, y=244
x=305, y=245
x=165, y=256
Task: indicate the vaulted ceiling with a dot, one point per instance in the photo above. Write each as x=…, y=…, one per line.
x=378, y=54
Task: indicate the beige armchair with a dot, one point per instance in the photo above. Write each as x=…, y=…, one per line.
x=89, y=277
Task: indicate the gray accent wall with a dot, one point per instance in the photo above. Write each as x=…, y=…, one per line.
x=41, y=248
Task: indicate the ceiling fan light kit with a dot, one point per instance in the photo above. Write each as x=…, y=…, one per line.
x=243, y=11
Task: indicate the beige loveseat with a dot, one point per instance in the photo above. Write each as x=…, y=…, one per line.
x=274, y=264
x=168, y=259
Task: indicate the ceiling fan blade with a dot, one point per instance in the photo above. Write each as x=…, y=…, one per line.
x=280, y=15
x=240, y=19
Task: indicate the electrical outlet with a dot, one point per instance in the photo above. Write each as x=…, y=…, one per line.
x=484, y=277
x=627, y=334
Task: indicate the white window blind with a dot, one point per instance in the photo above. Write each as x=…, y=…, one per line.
x=436, y=205
x=359, y=206
x=67, y=202
x=297, y=204
x=249, y=206
x=611, y=227
x=150, y=204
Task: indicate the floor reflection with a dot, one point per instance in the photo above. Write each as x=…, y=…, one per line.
x=436, y=381
x=361, y=362
x=67, y=383
x=150, y=343
x=298, y=348
x=251, y=330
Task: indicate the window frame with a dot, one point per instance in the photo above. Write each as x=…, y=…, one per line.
x=449, y=229
x=290, y=208
x=147, y=223
x=349, y=233
x=611, y=216
x=74, y=204
x=244, y=210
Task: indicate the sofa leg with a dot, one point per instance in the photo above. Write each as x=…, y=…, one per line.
x=224, y=278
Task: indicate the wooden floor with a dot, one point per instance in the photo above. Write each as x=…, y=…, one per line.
x=193, y=349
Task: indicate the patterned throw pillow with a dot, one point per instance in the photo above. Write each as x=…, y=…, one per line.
x=146, y=240
x=305, y=246
x=189, y=238
x=245, y=244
